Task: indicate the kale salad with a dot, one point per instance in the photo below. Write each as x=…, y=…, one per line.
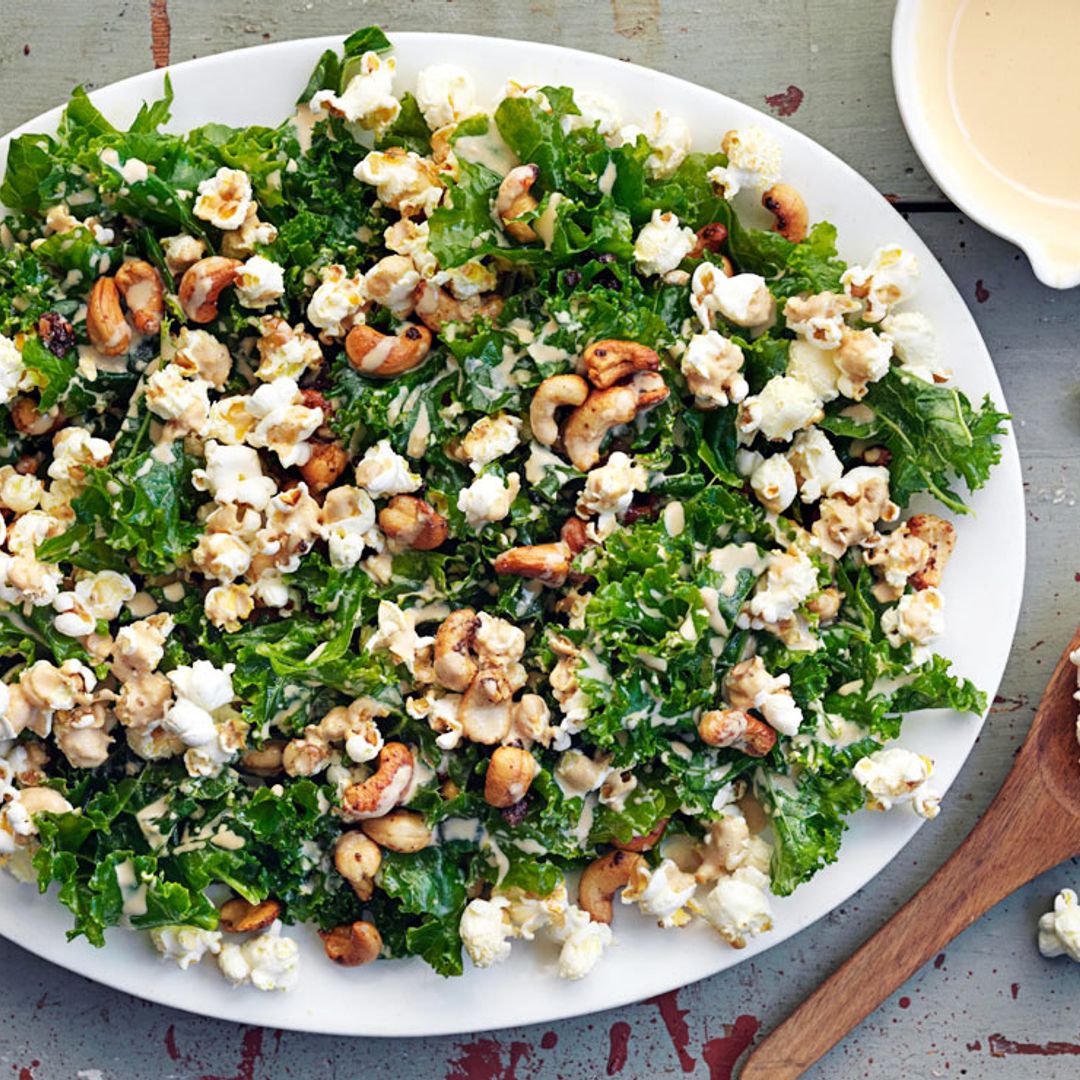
x=437, y=520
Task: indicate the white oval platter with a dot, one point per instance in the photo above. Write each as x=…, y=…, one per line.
x=403, y=998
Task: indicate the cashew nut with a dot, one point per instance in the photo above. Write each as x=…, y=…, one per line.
x=30, y=420
x=553, y=392
x=574, y=535
x=382, y=356
x=239, y=916
x=601, y=879
x=710, y=237
x=326, y=464
x=140, y=285
x=400, y=830
x=733, y=727
x=435, y=307
x=589, y=423
x=826, y=605
x=413, y=523
x=485, y=718
x=351, y=946
x=509, y=774
x=940, y=535
x=546, y=563
x=267, y=760
x=358, y=859
x=609, y=362
x=43, y=800
x=646, y=842
x=789, y=209
x=380, y=792
x=514, y=200
x=455, y=667
x=203, y=283
x=106, y=326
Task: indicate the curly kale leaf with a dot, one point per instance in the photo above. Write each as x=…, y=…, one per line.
x=811, y=265
x=137, y=513
x=933, y=433
x=808, y=821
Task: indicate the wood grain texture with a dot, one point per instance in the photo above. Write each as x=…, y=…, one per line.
x=1011, y=844
x=835, y=53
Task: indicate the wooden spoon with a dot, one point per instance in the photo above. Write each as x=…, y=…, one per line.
x=1032, y=825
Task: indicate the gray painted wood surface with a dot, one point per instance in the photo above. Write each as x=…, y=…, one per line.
x=990, y=1006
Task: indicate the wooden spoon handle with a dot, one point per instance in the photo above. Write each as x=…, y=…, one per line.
x=1007, y=848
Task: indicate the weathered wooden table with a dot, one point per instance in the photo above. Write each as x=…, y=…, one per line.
x=988, y=1007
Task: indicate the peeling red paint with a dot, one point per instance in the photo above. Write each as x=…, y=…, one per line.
x=251, y=1050
x=170, y=1043
x=483, y=1060
x=160, y=32
x=27, y=1071
x=620, y=1039
x=549, y=1040
x=999, y=1046
x=720, y=1055
x=1014, y=989
x=982, y=293
x=976, y=1045
x=675, y=1021
x=787, y=102
x=939, y=960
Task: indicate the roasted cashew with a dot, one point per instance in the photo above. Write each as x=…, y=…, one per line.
x=43, y=800
x=239, y=916
x=574, y=535
x=510, y=772
x=382, y=356
x=546, y=563
x=413, y=523
x=435, y=307
x=400, y=830
x=141, y=286
x=30, y=420
x=203, y=283
x=710, y=237
x=554, y=392
x=353, y=945
x=455, y=667
x=589, y=423
x=741, y=730
x=514, y=200
x=646, y=842
x=609, y=362
x=601, y=879
x=789, y=209
x=357, y=859
x=940, y=536
x=267, y=760
x=826, y=605
x=484, y=719
x=380, y=792
x=106, y=326
x=327, y=462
